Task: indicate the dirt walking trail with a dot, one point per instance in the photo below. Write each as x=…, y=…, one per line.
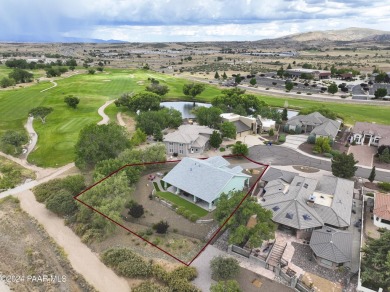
x=83, y=260
x=105, y=118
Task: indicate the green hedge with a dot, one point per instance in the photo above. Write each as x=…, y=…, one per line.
x=282, y=138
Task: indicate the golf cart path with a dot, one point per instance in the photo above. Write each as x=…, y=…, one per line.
x=105, y=118
x=83, y=260
x=54, y=85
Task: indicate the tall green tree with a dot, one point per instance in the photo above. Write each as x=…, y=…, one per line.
x=285, y=114
x=375, y=271
x=157, y=134
x=6, y=82
x=14, y=138
x=72, y=101
x=215, y=139
x=240, y=149
x=193, y=89
x=21, y=76
x=143, y=101
x=100, y=142
x=380, y=93
x=157, y=89
x=210, y=117
x=253, y=81
x=289, y=86
x=216, y=76
x=240, y=234
x=371, y=177
x=224, y=268
x=332, y=88
x=224, y=76
x=280, y=72
x=344, y=165
x=228, y=130
x=237, y=79
x=41, y=112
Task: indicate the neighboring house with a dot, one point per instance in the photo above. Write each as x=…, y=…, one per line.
x=315, y=124
x=370, y=134
x=188, y=139
x=332, y=248
x=316, y=74
x=307, y=204
x=382, y=210
x=248, y=125
x=205, y=180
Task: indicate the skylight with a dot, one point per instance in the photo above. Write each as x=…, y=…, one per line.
x=289, y=215
x=306, y=217
x=275, y=208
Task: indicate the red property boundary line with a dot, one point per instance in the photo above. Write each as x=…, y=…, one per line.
x=164, y=162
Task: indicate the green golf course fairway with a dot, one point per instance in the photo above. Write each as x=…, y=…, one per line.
x=57, y=137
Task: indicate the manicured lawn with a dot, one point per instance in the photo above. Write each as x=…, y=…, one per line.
x=60, y=133
x=180, y=202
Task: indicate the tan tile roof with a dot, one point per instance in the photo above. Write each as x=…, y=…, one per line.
x=382, y=206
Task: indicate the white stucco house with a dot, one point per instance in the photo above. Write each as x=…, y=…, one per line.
x=205, y=179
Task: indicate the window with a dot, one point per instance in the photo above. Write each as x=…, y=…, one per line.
x=181, y=144
x=196, y=149
x=376, y=140
x=181, y=151
x=289, y=215
x=385, y=221
x=170, y=143
x=170, y=150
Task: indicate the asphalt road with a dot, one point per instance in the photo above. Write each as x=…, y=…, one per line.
x=284, y=156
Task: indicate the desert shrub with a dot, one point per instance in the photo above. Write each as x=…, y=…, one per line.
x=149, y=286
x=126, y=263
x=315, y=152
x=187, y=273
x=74, y=184
x=311, y=139
x=298, y=92
x=62, y=203
x=370, y=194
x=136, y=210
x=149, y=231
x=334, y=152
x=181, y=210
x=224, y=268
x=187, y=214
x=194, y=217
x=91, y=235
x=328, y=155
x=161, y=227
x=222, y=149
x=309, y=93
x=384, y=186
x=282, y=138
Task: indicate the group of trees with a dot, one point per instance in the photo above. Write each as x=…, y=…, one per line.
x=223, y=270
x=240, y=234
x=19, y=76
x=12, y=142
x=321, y=109
x=149, y=121
x=143, y=101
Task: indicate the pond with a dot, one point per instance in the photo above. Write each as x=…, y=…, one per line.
x=290, y=113
x=185, y=107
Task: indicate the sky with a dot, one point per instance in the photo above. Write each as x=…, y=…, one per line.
x=183, y=20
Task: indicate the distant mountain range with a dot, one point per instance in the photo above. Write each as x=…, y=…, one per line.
x=349, y=36
x=44, y=39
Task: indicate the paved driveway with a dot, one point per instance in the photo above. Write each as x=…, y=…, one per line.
x=293, y=141
x=363, y=153
x=284, y=156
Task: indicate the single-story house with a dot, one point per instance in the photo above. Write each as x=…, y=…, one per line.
x=316, y=74
x=315, y=124
x=382, y=210
x=365, y=133
x=205, y=180
x=188, y=139
x=332, y=248
x=248, y=125
x=307, y=204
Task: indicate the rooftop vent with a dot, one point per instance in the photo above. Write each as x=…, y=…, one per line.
x=305, y=186
x=306, y=217
x=289, y=215
x=298, y=184
x=275, y=208
x=328, y=230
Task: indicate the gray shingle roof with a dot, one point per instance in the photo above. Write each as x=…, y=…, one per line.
x=328, y=128
x=189, y=134
x=204, y=179
x=274, y=173
x=241, y=127
x=332, y=244
x=336, y=210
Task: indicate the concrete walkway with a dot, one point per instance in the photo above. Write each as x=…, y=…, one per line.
x=33, y=136
x=105, y=118
x=83, y=260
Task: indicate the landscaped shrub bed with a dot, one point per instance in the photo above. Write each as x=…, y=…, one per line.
x=385, y=186
x=282, y=138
